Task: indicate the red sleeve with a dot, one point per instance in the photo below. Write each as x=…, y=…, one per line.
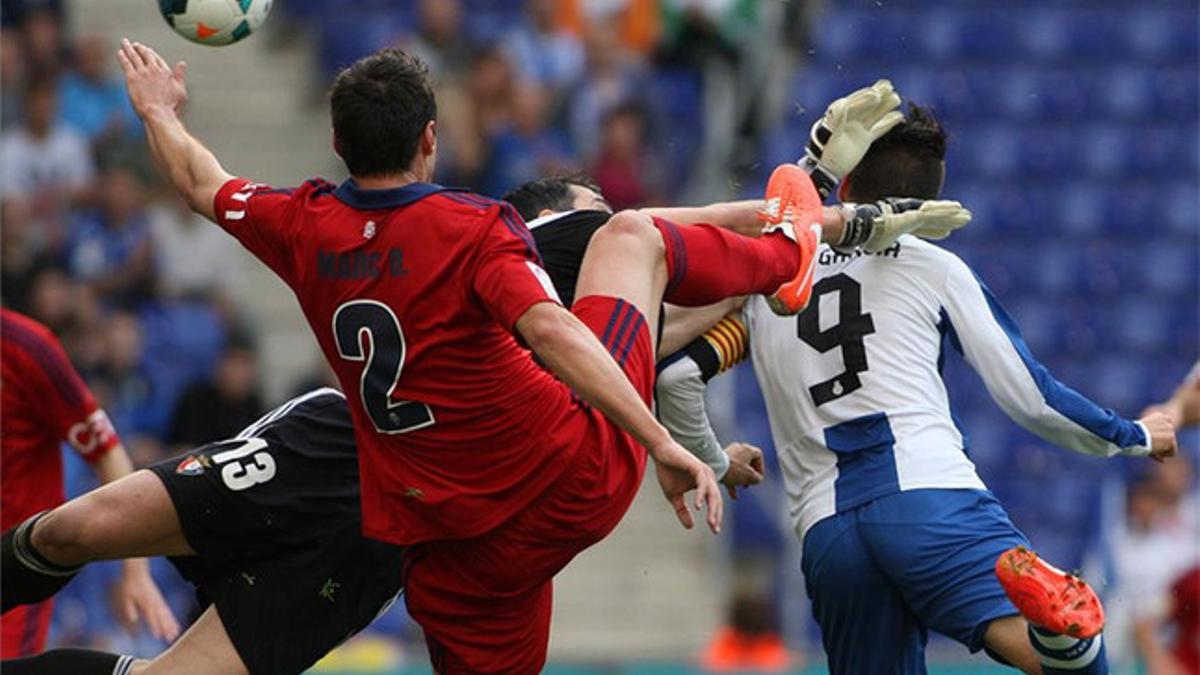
x=67, y=406
x=262, y=218
x=509, y=278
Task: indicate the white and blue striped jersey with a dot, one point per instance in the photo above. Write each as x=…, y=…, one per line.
x=853, y=385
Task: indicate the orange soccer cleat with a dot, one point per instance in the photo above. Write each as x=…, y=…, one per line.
x=1048, y=597
x=794, y=207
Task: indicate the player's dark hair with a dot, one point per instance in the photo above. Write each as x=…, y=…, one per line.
x=905, y=162
x=554, y=193
x=380, y=106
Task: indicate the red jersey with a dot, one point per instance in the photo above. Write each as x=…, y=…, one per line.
x=413, y=293
x=43, y=403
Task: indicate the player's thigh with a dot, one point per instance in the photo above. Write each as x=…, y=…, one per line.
x=626, y=333
x=129, y=517
x=626, y=259
x=939, y=547
x=470, y=630
x=205, y=649
x=866, y=627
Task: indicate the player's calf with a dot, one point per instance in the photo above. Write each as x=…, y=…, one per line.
x=1065, y=616
x=29, y=576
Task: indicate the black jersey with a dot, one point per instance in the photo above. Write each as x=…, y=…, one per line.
x=562, y=239
x=274, y=517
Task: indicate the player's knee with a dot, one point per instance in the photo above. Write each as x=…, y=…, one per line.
x=64, y=536
x=631, y=228
x=139, y=667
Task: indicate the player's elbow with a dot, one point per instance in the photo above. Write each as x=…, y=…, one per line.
x=546, y=327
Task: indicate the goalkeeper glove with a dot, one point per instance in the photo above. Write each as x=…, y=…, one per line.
x=877, y=226
x=842, y=136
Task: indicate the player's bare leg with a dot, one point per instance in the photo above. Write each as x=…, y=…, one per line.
x=205, y=649
x=128, y=518
x=1008, y=638
x=627, y=259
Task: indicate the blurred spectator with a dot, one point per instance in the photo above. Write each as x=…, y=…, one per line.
x=528, y=147
x=542, y=52
x=625, y=169
x=13, y=12
x=221, y=407
x=12, y=76
x=110, y=248
x=47, y=164
x=196, y=260
x=750, y=641
x=438, y=39
x=490, y=87
x=125, y=386
x=613, y=78
x=698, y=30
x=638, y=22
x=1157, y=544
x=91, y=100
x=42, y=30
x=1185, y=621
x=20, y=259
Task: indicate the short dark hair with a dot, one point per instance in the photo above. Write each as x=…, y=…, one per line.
x=552, y=193
x=380, y=106
x=904, y=162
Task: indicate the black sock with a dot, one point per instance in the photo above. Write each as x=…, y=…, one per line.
x=70, y=662
x=28, y=577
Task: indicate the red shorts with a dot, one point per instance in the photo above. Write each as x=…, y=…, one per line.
x=484, y=603
x=23, y=629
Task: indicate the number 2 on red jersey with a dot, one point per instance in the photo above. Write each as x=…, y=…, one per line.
x=384, y=357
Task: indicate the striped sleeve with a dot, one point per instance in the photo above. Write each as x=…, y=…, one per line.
x=681, y=383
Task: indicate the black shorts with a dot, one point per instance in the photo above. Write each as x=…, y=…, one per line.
x=275, y=521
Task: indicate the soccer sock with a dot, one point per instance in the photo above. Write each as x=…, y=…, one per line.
x=1065, y=655
x=706, y=264
x=70, y=662
x=28, y=577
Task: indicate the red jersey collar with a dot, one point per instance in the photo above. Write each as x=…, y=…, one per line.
x=355, y=197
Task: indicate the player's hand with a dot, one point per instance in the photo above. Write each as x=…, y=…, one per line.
x=842, y=136
x=137, y=597
x=679, y=472
x=877, y=226
x=151, y=83
x=1162, y=436
x=745, y=467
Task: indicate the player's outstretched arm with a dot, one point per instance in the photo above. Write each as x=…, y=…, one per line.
x=1184, y=405
x=679, y=391
x=573, y=353
x=991, y=342
x=158, y=93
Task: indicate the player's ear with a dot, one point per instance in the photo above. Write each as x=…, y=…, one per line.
x=429, y=138
x=337, y=147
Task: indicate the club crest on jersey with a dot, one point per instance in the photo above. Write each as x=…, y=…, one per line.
x=193, y=465
x=369, y=229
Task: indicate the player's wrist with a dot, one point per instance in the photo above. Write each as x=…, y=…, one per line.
x=823, y=178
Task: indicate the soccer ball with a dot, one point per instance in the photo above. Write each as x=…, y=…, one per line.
x=215, y=22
